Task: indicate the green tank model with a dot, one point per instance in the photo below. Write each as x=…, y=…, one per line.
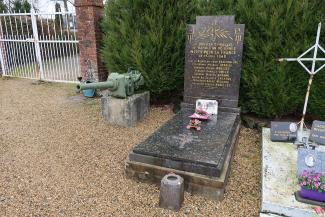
x=119, y=85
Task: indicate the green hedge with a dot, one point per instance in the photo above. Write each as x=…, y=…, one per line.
x=277, y=28
x=150, y=36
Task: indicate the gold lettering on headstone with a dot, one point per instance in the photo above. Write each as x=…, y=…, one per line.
x=238, y=36
x=212, y=67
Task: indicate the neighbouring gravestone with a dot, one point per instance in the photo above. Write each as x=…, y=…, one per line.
x=283, y=131
x=212, y=71
x=313, y=159
x=310, y=160
x=317, y=133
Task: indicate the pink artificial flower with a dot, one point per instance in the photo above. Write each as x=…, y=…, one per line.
x=319, y=210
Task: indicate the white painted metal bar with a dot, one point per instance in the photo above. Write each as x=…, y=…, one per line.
x=50, y=70
x=10, y=63
x=36, y=43
x=315, y=50
x=70, y=57
x=302, y=59
x=76, y=48
x=23, y=56
x=321, y=48
x=17, y=50
x=61, y=56
x=56, y=53
x=17, y=58
x=2, y=51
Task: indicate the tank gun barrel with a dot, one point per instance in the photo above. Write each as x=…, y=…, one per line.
x=110, y=84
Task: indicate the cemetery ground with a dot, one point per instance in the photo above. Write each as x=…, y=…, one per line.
x=58, y=158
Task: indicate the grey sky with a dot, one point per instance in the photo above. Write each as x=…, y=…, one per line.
x=49, y=5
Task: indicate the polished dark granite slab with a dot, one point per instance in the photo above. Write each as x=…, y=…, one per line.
x=176, y=147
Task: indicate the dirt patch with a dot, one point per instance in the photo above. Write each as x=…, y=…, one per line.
x=58, y=158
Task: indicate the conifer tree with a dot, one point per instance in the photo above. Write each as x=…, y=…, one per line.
x=150, y=37
x=274, y=29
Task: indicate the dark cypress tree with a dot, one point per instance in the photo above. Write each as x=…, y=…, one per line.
x=276, y=28
x=149, y=36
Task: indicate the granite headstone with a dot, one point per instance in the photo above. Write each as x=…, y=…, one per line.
x=310, y=160
x=283, y=131
x=317, y=133
x=213, y=60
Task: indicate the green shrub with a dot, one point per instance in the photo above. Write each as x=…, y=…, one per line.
x=273, y=29
x=149, y=36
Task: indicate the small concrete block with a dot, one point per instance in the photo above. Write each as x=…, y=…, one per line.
x=171, y=192
x=279, y=181
x=125, y=112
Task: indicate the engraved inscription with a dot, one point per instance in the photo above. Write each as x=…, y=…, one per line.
x=213, y=60
x=212, y=67
x=317, y=133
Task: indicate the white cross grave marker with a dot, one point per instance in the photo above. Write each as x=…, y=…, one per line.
x=312, y=72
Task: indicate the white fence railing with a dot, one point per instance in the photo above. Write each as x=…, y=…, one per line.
x=39, y=46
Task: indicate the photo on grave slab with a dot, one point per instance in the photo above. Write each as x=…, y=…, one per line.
x=283, y=131
x=310, y=160
x=317, y=133
x=209, y=106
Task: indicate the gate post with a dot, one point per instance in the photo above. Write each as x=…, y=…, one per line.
x=89, y=14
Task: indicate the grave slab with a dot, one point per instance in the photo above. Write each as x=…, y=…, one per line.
x=279, y=182
x=155, y=168
x=202, y=152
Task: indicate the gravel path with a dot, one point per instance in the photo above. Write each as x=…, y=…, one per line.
x=57, y=158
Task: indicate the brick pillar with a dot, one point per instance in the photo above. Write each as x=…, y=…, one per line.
x=89, y=14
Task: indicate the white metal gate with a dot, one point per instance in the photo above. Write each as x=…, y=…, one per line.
x=39, y=46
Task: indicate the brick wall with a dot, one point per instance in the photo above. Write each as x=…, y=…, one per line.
x=89, y=14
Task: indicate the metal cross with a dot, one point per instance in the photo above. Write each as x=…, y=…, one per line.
x=312, y=72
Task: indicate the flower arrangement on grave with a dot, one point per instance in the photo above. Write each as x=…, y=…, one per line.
x=194, y=124
x=200, y=114
x=312, y=185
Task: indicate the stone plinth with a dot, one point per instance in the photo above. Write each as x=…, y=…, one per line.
x=125, y=112
x=279, y=180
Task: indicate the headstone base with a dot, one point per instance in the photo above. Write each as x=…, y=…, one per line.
x=125, y=112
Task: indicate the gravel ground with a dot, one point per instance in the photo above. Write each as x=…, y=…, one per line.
x=58, y=158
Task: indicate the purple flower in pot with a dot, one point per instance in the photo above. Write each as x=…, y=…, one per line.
x=312, y=186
